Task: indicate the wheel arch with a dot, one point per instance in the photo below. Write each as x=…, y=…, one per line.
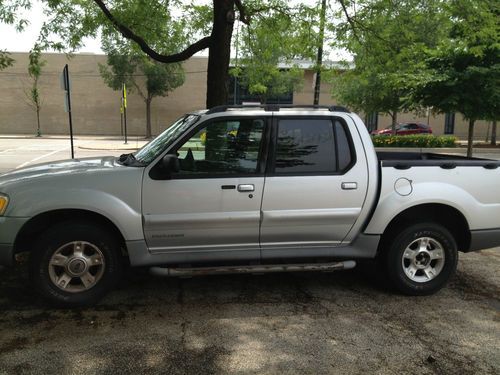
x=38, y=224
x=447, y=216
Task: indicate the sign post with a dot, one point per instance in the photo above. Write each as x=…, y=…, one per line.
x=65, y=85
x=124, y=106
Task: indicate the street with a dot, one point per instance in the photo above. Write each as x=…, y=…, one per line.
x=348, y=322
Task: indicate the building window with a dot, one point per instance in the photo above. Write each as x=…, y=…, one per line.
x=371, y=121
x=239, y=94
x=449, y=123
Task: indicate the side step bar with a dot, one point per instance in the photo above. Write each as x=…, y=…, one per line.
x=258, y=269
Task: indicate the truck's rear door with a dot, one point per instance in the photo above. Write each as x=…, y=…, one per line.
x=315, y=186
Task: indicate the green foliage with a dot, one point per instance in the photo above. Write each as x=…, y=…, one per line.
x=35, y=65
x=10, y=11
x=139, y=72
x=277, y=35
x=126, y=64
x=413, y=141
x=463, y=73
x=5, y=60
x=153, y=20
x=386, y=39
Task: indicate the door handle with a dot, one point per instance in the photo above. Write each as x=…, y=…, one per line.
x=349, y=185
x=246, y=188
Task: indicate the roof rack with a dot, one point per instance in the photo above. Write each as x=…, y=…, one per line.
x=275, y=107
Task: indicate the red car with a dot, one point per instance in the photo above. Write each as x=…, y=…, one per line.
x=405, y=129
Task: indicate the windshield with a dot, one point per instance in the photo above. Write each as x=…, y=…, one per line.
x=150, y=151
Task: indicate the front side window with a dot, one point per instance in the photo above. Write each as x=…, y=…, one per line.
x=223, y=147
x=154, y=148
x=311, y=146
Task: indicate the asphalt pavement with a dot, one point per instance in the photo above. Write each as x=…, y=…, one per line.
x=346, y=322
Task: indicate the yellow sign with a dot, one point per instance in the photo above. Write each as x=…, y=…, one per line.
x=124, y=96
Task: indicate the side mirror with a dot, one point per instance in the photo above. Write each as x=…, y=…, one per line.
x=171, y=163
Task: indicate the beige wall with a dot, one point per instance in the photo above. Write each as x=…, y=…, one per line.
x=96, y=108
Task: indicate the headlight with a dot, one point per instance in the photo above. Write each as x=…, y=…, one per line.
x=4, y=201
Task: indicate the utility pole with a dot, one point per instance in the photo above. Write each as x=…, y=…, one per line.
x=319, y=60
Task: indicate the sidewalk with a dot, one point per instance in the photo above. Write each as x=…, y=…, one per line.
x=116, y=143
x=88, y=142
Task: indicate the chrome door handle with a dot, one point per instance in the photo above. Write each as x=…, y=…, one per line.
x=246, y=188
x=349, y=185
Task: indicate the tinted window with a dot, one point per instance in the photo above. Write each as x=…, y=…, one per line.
x=304, y=146
x=223, y=147
x=343, y=147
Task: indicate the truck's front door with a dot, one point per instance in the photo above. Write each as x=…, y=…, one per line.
x=210, y=209
x=315, y=187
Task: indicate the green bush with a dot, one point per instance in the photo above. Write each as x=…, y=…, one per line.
x=414, y=141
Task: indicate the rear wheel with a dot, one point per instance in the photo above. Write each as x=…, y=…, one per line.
x=75, y=263
x=421, y=259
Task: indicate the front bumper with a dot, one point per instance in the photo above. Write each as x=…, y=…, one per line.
x=484, y=239
x=9, y=228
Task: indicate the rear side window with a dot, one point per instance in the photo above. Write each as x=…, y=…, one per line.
x=311, y=146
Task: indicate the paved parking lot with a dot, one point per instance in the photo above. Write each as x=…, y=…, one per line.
x=347, y=322
x=311, y=323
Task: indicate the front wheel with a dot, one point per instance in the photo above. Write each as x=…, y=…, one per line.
x=75, y=263
x=422, y=258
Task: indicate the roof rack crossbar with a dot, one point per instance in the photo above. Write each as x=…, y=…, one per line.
x=276, y=107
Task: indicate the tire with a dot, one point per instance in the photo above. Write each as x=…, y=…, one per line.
x=421, y=259
x=75, y=264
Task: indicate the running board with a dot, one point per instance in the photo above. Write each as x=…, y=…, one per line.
x=258, y=269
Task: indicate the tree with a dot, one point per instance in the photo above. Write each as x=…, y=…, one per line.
x=140, y=73
x=463, y=73
x=493, y=141
x=274, y=40
x=9, y=14
x=148, y=23
x=386, y=39
x=35, y=65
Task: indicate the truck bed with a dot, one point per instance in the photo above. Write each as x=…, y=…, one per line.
x=405, y=160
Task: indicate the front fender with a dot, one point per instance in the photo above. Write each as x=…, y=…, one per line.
x=126, y=216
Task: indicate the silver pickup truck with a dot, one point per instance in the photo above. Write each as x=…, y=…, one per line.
x=253, y=189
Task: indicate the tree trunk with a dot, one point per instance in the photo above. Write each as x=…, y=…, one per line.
x=38, y=130
x=148, y=117
x=470, y=138
x=219, y=53
x=394, y=116
x=493, y=141
x=319, y=59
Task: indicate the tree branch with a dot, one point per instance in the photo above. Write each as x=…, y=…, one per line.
x=349, y=19
x=129, y=34
x=243, y=14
